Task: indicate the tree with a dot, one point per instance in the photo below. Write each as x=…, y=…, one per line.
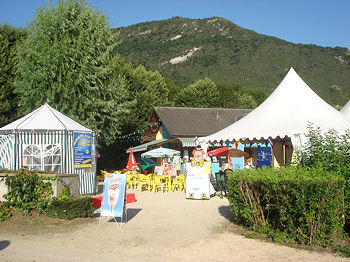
x=9, y=39
x=236, y=96
x=66, y=59
x=202, y=93
x=147, y=89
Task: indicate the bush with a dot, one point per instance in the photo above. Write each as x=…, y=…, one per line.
x=70, y=208
x=5, y=212
x=304, y=205
x=331, y=152
x=27, y=191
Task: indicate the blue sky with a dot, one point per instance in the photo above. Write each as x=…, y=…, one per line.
x=321, y=22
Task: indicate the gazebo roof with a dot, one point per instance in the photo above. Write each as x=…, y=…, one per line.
x=44, y=118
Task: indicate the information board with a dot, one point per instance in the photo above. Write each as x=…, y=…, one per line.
x=113, y=199
x=197, y=181
x=82, y=149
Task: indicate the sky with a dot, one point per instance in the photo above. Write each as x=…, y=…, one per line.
x=321, y=22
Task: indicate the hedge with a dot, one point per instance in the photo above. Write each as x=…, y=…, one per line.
x=299, y=204
x=71, y=208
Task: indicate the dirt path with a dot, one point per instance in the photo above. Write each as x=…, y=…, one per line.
x=161, y=227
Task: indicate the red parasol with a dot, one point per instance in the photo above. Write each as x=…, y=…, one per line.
x=227, y=151
x=131, y=162
x=222, y=151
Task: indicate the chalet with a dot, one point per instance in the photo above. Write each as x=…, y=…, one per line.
x=176, y=127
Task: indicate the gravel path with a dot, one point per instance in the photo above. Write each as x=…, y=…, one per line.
x=161, y=227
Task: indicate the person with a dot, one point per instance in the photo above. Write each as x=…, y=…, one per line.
x=248, y=163
x=165, y=168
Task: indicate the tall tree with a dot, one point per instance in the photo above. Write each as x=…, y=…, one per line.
x=203, y=93
x=66, y=59
x=9, y=39
x=236, y=96
x=147, y=89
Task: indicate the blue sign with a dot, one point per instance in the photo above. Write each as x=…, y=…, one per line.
x=82, y=149
x=264, y=157
x=113, y=196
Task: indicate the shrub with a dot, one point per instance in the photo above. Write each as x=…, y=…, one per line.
x=5, y=212
x=331, y=152
x=27, y=191
x=304, y=205
x=70, y=208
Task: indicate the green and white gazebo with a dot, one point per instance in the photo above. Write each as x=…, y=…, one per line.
x=47, y=140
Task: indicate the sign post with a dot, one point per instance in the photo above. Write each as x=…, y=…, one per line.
x=114, y=198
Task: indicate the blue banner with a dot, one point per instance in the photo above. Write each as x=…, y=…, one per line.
x=113, y=196
x=264, y=157
x=82, y=149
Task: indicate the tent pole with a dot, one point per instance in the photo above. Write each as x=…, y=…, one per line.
x=284, y=154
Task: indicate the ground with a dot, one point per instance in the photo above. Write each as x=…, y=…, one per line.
x=160, y=227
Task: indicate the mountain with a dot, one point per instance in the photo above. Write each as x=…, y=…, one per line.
x=186, y=50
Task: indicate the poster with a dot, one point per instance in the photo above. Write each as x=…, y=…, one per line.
x=264, y=157
x=197, y=181
x=114, y=196
x=82, y=149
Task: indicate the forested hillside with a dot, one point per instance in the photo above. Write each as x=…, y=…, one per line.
x=186, y=50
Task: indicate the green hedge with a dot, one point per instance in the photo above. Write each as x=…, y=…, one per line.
x=71, y=208
x=303, y=205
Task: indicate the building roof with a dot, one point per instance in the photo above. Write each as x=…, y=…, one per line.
x=191, y=122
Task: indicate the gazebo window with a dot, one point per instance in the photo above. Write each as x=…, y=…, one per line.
x=42, y=157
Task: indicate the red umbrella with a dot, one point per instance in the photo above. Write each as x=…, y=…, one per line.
x=227, y=151
x=131, y=162
x=222, y=151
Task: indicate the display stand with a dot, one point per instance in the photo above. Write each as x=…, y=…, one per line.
x=114, y=200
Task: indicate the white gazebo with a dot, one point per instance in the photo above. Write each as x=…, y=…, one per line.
x=287, y=112
x=45, y=140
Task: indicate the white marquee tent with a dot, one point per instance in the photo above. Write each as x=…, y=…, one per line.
x=43, y=141
x=286, y=112
x=346, y=110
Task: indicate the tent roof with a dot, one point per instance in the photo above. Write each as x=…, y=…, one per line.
x=44, y=118
x=346, y=110
x=286, y=112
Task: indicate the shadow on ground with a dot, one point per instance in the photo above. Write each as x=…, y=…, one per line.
x=225, y=211
x=131, y=213
x=4, y=244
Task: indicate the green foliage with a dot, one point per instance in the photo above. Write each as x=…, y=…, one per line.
x=235, y=96
x=27, y=191
x=5, y=212
x=64, y=194
x=9, y=39
x=231, y=54
x=304, y=205
x=66, y=59
x=343, y=250
x=331, y=152
x=70, y=208
x=146, y=89
x=202, y=93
